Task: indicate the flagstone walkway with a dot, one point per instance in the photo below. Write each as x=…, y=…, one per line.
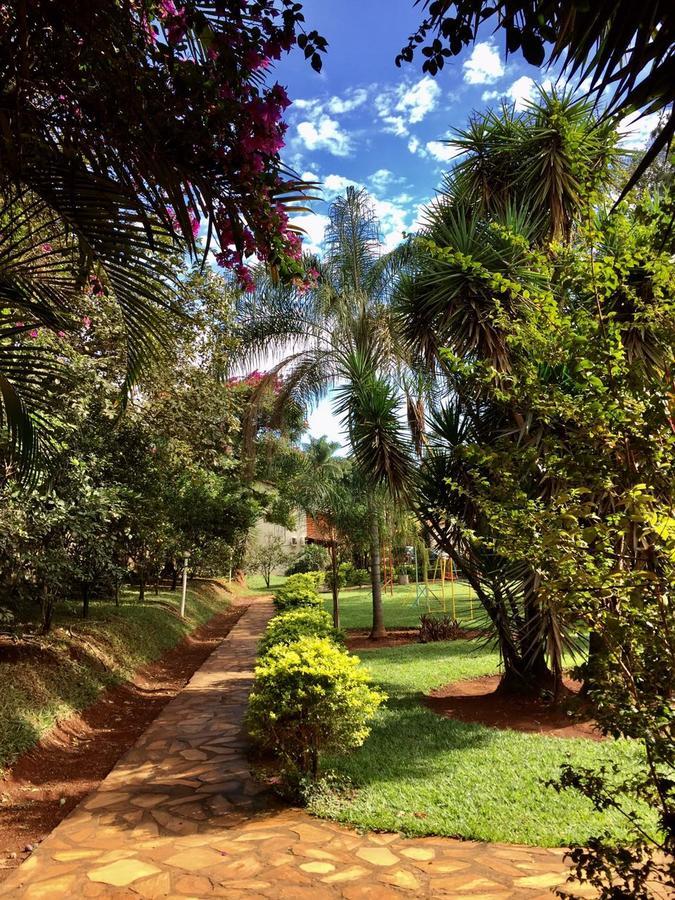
x=180, y=816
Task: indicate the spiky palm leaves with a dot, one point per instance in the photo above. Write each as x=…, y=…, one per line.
x=622, y=50
x=522, y=183
x=338, y=334
x=47, y=266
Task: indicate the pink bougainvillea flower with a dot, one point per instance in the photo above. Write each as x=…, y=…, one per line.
x=34, y=332
x=86, y=322
x=46, y=248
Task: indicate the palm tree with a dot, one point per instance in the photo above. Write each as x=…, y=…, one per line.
x=524, y=180
x=339, y=336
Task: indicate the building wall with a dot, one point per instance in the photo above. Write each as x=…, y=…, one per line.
x=293, y=539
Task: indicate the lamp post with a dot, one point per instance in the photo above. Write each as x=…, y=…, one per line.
x=186, y=557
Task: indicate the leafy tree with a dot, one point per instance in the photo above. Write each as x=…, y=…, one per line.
x=551, y=467
x=525, y=180
x=338, y=334
x=127, y=126
x=267, y=556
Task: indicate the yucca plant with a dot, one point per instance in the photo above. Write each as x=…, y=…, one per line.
x=522, y=185
x=620, y=51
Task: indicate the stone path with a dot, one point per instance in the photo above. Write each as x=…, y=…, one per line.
x=180, y=816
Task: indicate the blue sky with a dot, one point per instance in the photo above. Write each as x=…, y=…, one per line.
x=364, y=121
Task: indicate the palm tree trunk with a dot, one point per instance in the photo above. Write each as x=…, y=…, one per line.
x=378, y=631
x=335, y=586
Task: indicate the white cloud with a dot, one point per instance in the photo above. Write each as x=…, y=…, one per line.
x=521, y=91
x=325, y=133
x=309, y=176
x=323, y=421
x=353, y=99
x=484, y=65
x=382, y=179
x=636, y=130
x=337, y=184
x=314, y=226
x=415, y=146
x=393, y=222
x=416, y=101
x=395, y=125
x=443, y=150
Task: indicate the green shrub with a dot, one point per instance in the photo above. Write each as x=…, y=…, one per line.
x=290, y=626
x=298, y=590
x=344, y=572
x=359, y=577
x=310, y=697
x=313, y=558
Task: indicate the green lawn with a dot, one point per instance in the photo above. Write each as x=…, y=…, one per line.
x=400, y=610
x=422, y=774
x=256, y=583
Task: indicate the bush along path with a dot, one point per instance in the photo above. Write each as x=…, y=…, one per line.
x=180, y=815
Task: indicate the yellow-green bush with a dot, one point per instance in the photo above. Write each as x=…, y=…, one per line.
x=298, y=590
x=310, y=697
x=293, y=624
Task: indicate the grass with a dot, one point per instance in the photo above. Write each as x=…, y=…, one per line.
x=422, y=774
x=46, y=679
x=256, y=584
x=400, y=609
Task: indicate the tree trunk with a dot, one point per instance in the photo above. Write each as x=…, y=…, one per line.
x=596, y=649
x=335, y=587
x=378, y=631
x=141, y=585
x=47, y=609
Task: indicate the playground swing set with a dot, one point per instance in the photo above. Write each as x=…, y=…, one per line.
x=424, y=593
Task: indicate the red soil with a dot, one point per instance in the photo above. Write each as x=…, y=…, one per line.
x=475, y=700
x=359, y=639
x=47, y=782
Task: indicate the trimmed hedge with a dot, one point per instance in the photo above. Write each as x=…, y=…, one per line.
x=310, y=697
x=289, y=626
x=299, y=590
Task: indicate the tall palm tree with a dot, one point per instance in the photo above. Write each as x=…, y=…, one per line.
x=524, y=180
x=339, y=336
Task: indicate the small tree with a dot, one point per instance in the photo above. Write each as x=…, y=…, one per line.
x=265, y=557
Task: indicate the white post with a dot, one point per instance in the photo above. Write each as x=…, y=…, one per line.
x=186, y=557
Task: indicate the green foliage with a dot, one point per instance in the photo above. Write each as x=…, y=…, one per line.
x=288, y=627
x=358, y=577
x=299, y=590
x=551, y=470
x=310, y=697
x=438, y=628
x=266, y=556
x=313, y=558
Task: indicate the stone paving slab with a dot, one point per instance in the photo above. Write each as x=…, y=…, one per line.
x=180, y=816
